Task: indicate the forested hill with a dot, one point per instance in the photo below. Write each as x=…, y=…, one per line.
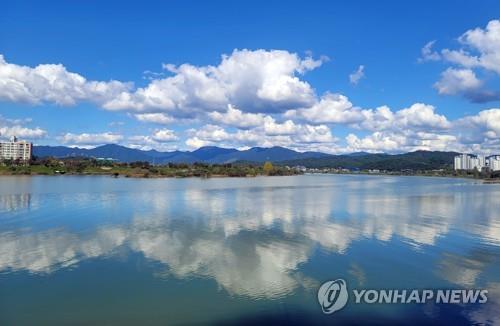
x=419, y=160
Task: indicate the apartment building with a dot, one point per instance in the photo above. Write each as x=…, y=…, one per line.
x=15, y=150
x=471, y=162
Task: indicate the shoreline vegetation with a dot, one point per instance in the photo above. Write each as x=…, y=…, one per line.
x=142, y=169
x=91, y=166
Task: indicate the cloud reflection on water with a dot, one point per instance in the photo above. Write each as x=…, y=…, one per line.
x=250, y=239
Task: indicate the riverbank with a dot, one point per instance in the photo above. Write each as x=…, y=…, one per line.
x=428, y=175
x=147, y=171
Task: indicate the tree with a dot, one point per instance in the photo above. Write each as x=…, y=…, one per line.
x=268, y=167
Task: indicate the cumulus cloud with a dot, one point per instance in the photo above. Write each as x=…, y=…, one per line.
x=22, y=132
x=237, y=118
x=480, y=132
x=420, y=115
x=52, y=83
x=16, y=127
x=375, y=142
x=331, y=108
x=479, y=52
x=258, y=98
x=464, y=82
x=486, y=45
x=357, y=75
x=254, y=81
x=399, y=141
x=337, y=109
x=454, y=81
x=90, y=139
x=157, y=118
x=149, y=142
x=287, y=134
x=417, y=127
x=164, y=135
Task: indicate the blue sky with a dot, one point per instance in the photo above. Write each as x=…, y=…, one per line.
x=285, y=81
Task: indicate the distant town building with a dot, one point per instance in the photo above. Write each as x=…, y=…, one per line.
x=494, y=162
x=15, y=150
x=471, y=162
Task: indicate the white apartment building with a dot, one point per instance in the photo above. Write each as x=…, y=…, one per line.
x=494, y=162
x=470, y=161
x=15, y=150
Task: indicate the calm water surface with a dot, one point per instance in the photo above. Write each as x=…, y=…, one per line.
x=104, y=251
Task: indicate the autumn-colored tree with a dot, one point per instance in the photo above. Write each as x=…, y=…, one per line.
x=268, y=167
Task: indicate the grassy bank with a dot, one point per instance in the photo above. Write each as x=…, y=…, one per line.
x=141, y=169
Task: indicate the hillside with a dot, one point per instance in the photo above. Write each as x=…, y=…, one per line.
x=208, y=154
x=418, y=160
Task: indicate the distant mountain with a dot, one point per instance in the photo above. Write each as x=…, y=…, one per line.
x=208, y=154
x=358, y=154
x=418, y=160
x=117, y=152
x=261, y=154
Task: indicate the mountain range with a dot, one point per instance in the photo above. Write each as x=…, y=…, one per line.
x=207, y=154
x=423, y=160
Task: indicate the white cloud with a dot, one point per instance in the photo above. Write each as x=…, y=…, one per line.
x=480, y=130
x=22, y=132
x=421, y=115
x=52, y=83
x=479, y=52
x=16, y=127
x=254, y=81
x=418, y=116
x=212, y=133
x=357, y=75
x=272, y=128
x=164, y=135
x=332, y=108
x=464, y=82
x=376, y=142
x=489, y=120
x=308, y=134
x=427, y=54
x=237, y=118
x=195, y=142
x=337, y=109
x=90, y=139
x=401, y=141
x=158, y=118
x=485, y=42
x=147, y=143
x=287, y=134
x=454, y=81
x=260, y=98
x=379, y=119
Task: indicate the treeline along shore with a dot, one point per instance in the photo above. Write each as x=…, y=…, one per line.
x=367, y=164
x=90, y=166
